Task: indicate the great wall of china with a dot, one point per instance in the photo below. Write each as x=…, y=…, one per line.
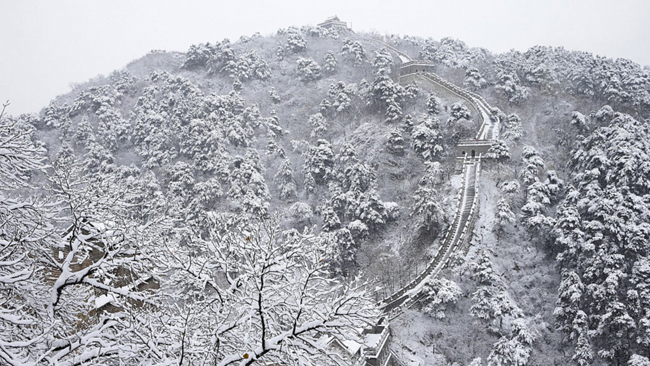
x=376, y=351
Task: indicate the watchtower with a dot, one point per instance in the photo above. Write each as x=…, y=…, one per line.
x=333, y=22
x=473, y=148
x=414, y=67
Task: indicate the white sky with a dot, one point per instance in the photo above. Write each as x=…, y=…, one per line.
x=47, y=45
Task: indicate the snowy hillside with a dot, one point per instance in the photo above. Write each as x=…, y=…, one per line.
x=248, y=202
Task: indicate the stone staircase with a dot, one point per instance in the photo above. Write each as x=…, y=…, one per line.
x=456, y=237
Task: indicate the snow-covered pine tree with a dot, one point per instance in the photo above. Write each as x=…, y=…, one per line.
x=514, y=350
x=579, y=121
x=295, y=41
x=433, y=105
x=341, y=95
x=389, y=96
x=396, y=144
x=382, y=62
x=490, y=302
x=353, y=50
x=458, y=111
x=439, y=293
x=474, y=79
x=426, y=209
x=512, y=128
x=319, y=161
x=509, y=84
x=275, y=97
x=319, y=125
x=330, y=62
x=426, y=138
x=308, y=69
x=284, y=180
x=248, y=191
x=331, y=221
x=498, y=151
x=503, y=216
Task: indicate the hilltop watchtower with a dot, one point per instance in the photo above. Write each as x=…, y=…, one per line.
x=333, y=22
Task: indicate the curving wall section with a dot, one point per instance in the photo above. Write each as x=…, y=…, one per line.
x=459, y=233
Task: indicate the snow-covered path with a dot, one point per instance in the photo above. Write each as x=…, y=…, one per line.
x=462, y=225
x=461, y=228
x=403, y=57
x=453, y=240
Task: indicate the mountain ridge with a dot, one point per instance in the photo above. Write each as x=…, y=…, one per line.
x=307, y=127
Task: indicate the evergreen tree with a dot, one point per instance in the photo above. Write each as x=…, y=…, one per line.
x=396, y=143
x=579, y=121
x=342, y=95
x=509, y=84
x=514, y=350
x=295, y=41
x=382, y=62
x=458, y=111
x=474, y=79
x=331, y=221
x=285, y=181
x=426, y=139
x=407, y=123
x=637, y=360
x=426, y=208
x=237, y=85
x=371, y=210
x=604, y=114
x=388, y=95
x=438, y=295
x=309, y=183
x=319, y=125
x=84, y=133
x=354, y=50
x=490, y=302
x=347, y=251
x=319, y=161
x=308, y=70
x=498, y=151
x=513, y=130
x=271, y=143
x=330, y=62
x=273, y=124
x=248, y=191
x=503, y=216
x=433, y=105
x=279, y=52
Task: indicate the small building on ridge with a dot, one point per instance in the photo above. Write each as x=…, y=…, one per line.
x=333, y=22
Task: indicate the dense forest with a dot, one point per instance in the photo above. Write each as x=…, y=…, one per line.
x=244, y=202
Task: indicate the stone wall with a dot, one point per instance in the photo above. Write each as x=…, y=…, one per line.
x=472, y=148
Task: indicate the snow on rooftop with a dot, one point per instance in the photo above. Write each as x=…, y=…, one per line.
x=352, y=346
x=372, y=339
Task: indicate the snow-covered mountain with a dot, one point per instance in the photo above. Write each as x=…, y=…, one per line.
x=245, y=202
